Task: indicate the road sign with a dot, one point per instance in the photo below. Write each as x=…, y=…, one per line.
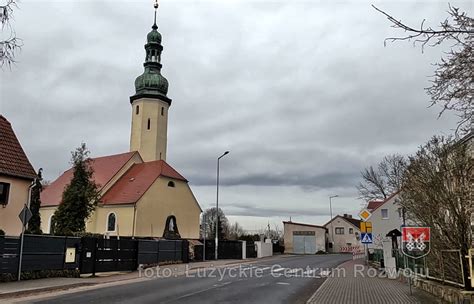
x=365, y=214
x=366, y=227
x=25, y=215
x=366, y=238
x=416, y=241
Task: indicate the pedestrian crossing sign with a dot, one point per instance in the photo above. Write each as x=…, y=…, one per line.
x=366, y=238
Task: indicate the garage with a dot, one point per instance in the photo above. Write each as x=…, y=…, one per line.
x=304, y=242
x=303, y=238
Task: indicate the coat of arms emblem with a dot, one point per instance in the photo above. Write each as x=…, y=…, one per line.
x=416, y=241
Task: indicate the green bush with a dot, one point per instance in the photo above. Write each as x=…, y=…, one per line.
x=33, y=275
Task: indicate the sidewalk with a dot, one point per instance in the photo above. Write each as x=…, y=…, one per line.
x=357, y=288
x=30, y=287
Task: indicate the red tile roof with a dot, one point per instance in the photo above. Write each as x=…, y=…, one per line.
x=104, y=169
x=133, y=184
x=301, y=224
x=374, y=205
x=351, y=220
x=13, y=160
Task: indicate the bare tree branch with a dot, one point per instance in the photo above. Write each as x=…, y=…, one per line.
x=453, y=81
x=10, y=46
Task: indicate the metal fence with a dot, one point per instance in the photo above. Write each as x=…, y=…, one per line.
x=39, y=253
x=444, y=266
x=87, y=254
x=226, y=250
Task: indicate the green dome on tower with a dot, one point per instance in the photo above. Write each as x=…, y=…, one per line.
x=151, y=83
x=154, y=36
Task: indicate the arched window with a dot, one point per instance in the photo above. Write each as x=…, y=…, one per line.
x=171, y=184
x=50, y=219
x=162, y=111
x=111, y=222
x=149, y=124
x=137, y=109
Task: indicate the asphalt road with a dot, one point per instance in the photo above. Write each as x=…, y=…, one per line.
x=282, y=279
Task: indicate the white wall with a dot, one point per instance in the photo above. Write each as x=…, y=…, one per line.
x=264, y=249
x=381, y=226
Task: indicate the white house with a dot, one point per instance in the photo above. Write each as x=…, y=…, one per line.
x=344, y=234
x=386, y=216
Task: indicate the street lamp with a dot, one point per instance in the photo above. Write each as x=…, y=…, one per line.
x=217, y=202
x=330, y=223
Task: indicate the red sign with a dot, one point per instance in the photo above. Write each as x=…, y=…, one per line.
x=416, y=241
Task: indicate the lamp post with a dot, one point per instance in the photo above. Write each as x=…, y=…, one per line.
x=217, y=203
x=330, y=211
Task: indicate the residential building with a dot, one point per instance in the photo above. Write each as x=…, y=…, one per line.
x=344, y=234
x=302, y=238
x=16, y=176
x=386, y=216
x=140, y=193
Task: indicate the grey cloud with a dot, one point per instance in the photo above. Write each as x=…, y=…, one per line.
x=303, y=94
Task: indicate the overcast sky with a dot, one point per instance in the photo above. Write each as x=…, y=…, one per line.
x=303, y=93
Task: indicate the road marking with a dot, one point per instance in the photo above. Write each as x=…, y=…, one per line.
x=278, y=270
x=283, y=283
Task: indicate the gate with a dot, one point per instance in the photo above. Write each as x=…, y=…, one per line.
x=102, y=255
x=304, y=242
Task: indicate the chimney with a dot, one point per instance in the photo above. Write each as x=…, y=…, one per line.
x=347, y=215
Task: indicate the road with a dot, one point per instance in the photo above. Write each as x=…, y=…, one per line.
x=282, y=279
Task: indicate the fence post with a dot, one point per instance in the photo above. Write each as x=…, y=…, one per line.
x=94, y=255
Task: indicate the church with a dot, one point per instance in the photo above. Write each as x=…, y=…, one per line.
x=140, y=193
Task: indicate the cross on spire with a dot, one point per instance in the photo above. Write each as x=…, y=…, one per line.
x=155, y=5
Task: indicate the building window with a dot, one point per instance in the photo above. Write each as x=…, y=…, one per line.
x=351, y=231
x=4, y=192
x=162, y=111
x=137, y=109
x=148, y=124
x=384, y=214
x=171, y=184
x=111, y=222
x=339, y=230
x=50, y=221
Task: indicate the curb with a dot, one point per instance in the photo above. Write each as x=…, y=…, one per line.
x=44, y=289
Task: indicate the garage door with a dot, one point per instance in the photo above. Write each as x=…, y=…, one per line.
x=304, y=243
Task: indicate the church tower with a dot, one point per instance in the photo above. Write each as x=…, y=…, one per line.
x=150, y=104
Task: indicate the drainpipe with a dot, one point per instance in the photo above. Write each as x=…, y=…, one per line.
x=134, y=215
x=23, y=228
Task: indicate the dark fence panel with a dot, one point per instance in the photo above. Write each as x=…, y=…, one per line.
x=230, y=250
x=39, y=253
x=48, y=252
x=156, y=251
x=251, y=252
x=9, y=251
x=227, y=250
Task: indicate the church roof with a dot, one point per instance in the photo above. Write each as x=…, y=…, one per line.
x=104, y=169
x=133, y=184
x=13, y=160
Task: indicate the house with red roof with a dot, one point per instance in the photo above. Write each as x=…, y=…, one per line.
x=344, y=234
x=16, y=176
x=386, y=216
x=139, y=191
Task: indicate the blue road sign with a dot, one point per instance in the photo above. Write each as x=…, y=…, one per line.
x=366, y=238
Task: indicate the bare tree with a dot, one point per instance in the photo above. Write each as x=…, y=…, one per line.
x=437, y=192
x=208, y=224
x=380, y=182
x=9, y=46
x=235, y=231
x=453, y=81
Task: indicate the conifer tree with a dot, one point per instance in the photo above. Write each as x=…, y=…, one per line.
x=34, y=225
x=79, y=197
